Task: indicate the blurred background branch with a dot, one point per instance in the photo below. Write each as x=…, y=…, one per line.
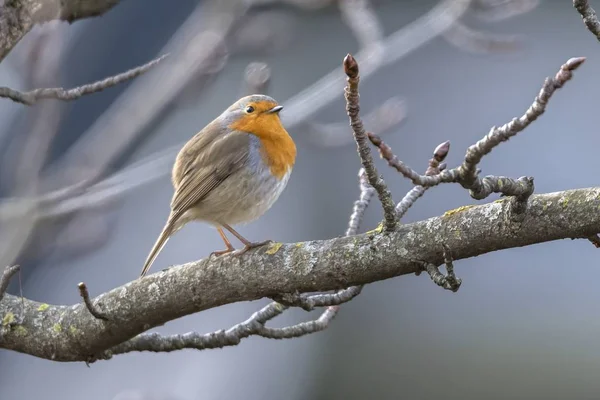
x=99, y=175
x=83, y=182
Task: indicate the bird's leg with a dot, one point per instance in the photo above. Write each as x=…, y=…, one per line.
x=229, y=248
x=247, y=244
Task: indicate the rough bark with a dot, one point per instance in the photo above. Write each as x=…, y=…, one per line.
x=17, y=17
x=71, y=333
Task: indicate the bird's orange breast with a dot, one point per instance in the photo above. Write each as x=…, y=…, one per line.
x=278, y=148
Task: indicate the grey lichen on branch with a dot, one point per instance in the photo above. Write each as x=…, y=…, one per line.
x=71, y=333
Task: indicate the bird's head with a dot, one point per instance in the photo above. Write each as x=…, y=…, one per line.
x=257, y=114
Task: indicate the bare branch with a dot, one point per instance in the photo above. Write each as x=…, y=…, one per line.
x=588, y=14
x=360, y=136
x=360, y=206
x=435, y=167
x=83, y=292
x=449, y=281
x=467, y=173
x=31, y=97
x=255, y=325
x=156, y=342
x=301, y=329
x=437, y=277
x=7, y=275
x=313, y=266
x=18, y=17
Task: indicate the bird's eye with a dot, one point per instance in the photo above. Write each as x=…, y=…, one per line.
x=249, y=109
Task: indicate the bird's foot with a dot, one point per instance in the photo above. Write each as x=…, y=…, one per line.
x=250, y=246
x=219, y=253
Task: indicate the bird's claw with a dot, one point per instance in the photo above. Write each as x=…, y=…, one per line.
x=250, y=246
x=219, y=253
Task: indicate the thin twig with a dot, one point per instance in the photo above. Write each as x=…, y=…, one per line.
x=7, y=275
x=360, y=206
x=437, y=277
x=435, y=167
x=448, y=281
x=467, y=174
x=31, y=97
x=253, y=326
x=453, y=281
x=360, y=136
x=301, y=329
x=83, y=291
x=588, y=14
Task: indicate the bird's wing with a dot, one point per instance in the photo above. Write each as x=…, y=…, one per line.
x=209, y=169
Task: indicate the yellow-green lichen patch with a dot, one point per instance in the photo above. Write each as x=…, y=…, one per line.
x=57, y=328
x=564, y=202
x=20, y=331
x=74, y=331
x=456, y=210
x=274, y=248
x=377, y=230
x=43, y=307
x=8, y=319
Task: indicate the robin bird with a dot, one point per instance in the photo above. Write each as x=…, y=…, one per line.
x=230, y=172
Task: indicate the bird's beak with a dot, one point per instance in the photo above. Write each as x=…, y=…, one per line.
x=275, y=110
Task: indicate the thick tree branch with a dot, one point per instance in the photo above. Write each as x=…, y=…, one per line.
x=17, y=17
x=71, y=333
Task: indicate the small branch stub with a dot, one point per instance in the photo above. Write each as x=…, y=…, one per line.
x=9, y=272
x=83, y=291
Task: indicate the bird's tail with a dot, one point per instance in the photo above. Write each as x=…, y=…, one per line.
x=163, y=238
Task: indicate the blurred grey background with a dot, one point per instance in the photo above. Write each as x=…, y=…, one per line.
x=525, y=323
